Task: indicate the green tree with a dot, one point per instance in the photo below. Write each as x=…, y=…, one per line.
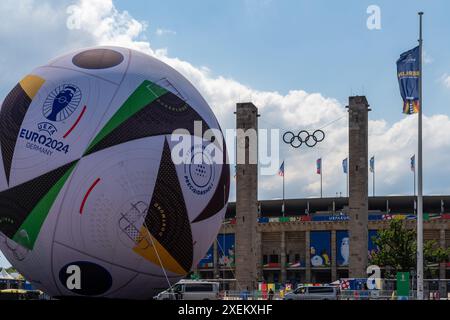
x=397, y=249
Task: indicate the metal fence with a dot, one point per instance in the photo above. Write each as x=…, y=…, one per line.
x=434, y=289
x=245, y=295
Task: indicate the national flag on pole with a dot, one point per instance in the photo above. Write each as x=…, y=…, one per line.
x=281, y=170
x=345, y=165
x=413, y=163
x=372, y=164
x=319, y=166
x=408, y=73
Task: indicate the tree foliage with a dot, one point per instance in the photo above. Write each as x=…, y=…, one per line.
x=397, y=249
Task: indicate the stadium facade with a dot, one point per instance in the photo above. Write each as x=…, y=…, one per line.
x=317, y=240
x=309, y=244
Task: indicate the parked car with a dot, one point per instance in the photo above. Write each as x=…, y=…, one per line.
x=191, y=290
x=313, y=293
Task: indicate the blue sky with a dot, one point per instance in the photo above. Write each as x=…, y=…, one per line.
x=319, y=46
x=297, y=60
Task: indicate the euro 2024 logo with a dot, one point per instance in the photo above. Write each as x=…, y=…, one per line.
x=61, y=102
x=59, y=105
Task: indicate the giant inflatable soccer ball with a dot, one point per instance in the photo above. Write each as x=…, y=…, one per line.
x=94, y=200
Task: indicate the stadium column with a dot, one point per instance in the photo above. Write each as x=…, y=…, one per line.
x=333, y=256
x=248, y=241
x=442, y=284
x=283, y=257
x=358, y=185
x=216, y=259
x=195, y=270
x=258, y=255
x=307, y=256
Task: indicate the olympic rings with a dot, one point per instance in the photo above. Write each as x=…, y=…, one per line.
x=303, y=137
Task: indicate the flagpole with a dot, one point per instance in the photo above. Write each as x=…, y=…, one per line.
x=373, y=178
x=321, y=169
x=374, y=182
x=420, y=181
x=284, y=170
x=414, y=179
x=347, y=179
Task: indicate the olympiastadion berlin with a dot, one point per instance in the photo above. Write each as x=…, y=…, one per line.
x=316, y=245
x=318, y=240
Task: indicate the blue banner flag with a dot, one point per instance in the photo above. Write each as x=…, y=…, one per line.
x=413, y=163
x=345, y=165
x=408, y=73
x=372, y=164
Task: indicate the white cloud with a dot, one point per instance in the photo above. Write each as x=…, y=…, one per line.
x=162, y=32
x=101, y=23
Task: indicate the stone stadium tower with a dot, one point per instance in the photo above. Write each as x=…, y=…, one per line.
x=358, y=185
x=248, y=239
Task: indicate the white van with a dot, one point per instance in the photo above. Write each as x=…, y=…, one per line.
x=313, y=293
x=191, y=290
